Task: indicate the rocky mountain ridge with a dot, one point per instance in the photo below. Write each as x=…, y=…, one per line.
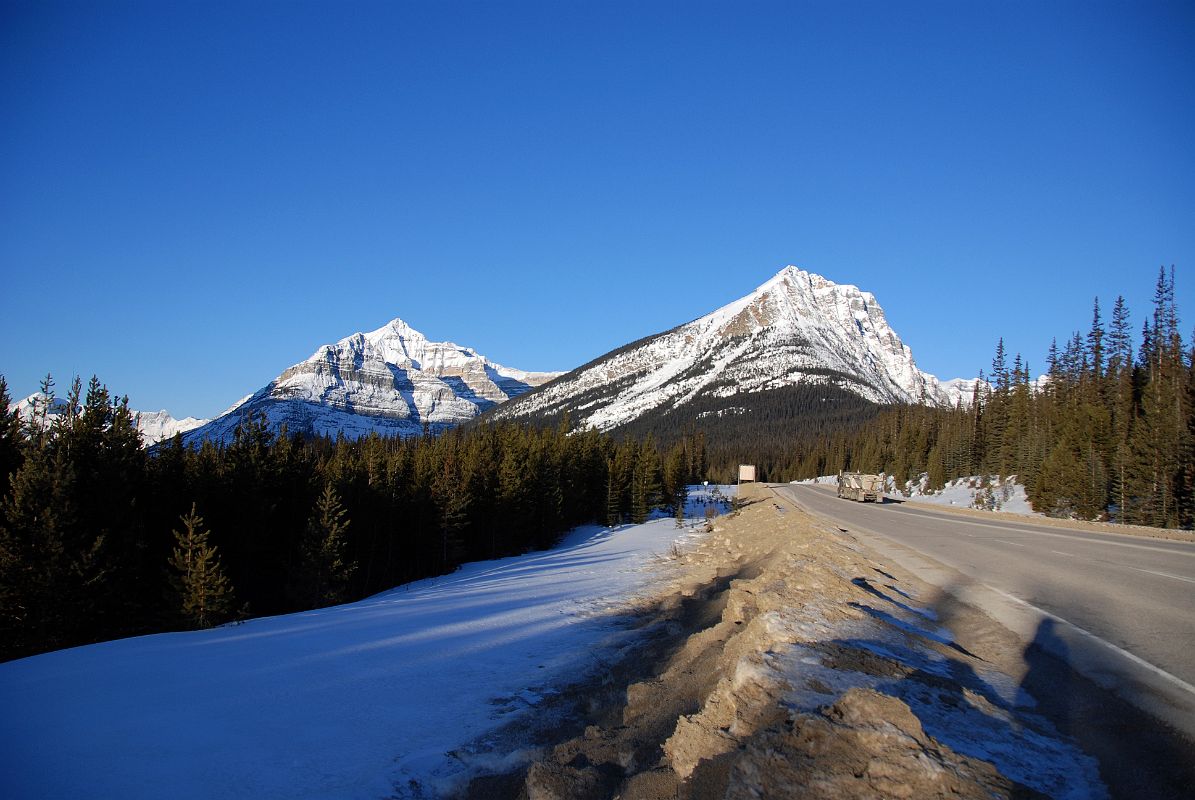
x=797, y=329
x=393, y=380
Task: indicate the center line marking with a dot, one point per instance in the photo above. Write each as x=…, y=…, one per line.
x=1163, y=574
x=1059, y=552
x=1014, y=544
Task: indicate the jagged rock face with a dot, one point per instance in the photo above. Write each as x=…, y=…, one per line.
x=393, y=381
x=798, y=328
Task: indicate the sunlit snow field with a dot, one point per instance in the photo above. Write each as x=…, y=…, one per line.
x=351, y=701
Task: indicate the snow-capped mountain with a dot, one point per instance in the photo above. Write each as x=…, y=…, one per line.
x=154, y=426
x=158, y=426
x=393, y=380
x=796, y=329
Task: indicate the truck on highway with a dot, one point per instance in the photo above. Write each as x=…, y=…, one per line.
x=861, y=486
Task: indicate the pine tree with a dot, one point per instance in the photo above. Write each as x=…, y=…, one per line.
x=639, y=506
x=325, y=562
x=676, y=479
x=1095, y=342
x=37, y=515
x=935, y=470
x=451, y=497
x=202, y=590
x=613, y=497
x=10, y=438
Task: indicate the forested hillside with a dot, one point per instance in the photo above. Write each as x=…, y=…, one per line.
x=1110, y=434
x=100, y=539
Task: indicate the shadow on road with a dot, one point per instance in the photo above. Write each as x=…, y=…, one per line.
x=1139, y=756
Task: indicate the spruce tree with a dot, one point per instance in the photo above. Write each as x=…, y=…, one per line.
x=202, y=590
x=10, y=438
x=613, y=497
x=639, y=489
x=1095, y=342
x=326, y=566
x=451, y=498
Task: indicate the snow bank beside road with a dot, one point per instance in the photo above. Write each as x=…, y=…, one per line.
x=995, y=494
x=356, y=700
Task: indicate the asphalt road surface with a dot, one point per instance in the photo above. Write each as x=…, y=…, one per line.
x=1134, y=594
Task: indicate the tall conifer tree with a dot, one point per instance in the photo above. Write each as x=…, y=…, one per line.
x=202, y=590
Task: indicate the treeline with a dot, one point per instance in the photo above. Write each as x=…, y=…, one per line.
x=1109, y=435
x=768, y=429
x=99, y=538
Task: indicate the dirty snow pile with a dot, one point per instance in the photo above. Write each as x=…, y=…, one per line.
x=359, y=700
x=817, y=673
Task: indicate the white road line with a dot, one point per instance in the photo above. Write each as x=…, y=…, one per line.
x=1179, y=682
x=1163, y=574
x=1035, y=532
x=1059, y=552
x=1005, y=541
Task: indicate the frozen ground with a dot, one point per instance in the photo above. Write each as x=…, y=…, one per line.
x=996, y=495
x=358, y=700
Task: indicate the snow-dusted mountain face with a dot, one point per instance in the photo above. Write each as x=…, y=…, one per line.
x=158, y=426
x=798, y=329
x=154, y=426
x=393, y=381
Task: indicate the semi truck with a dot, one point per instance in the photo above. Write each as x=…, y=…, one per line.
x=861, y=487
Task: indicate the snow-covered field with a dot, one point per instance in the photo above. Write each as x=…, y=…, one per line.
x=359, y=700
x=995, y=495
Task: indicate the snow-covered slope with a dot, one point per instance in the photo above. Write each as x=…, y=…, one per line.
x=392, y=380
x=798, y=328
x=377, y=698
x=154, y=426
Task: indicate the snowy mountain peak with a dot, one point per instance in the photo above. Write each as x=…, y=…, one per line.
x=154, y=426
x=392, y=380
x=797, y=328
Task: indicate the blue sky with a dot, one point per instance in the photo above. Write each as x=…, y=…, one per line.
x=196, y=195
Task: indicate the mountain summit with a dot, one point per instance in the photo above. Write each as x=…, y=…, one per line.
x=393, y=380
x=797, y=329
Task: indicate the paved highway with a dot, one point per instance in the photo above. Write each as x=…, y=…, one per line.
x=1134, y=594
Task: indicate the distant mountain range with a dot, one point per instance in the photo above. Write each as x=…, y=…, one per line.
x=154, y=426
x=796, y=330
x=799, y=344
x=393, y=380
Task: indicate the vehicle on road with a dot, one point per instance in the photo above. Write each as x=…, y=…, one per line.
x=861, y=486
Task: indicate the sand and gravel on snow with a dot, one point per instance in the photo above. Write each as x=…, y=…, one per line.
x=784, y=659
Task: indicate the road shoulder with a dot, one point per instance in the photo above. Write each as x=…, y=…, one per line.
x=802, y=663
x=1137, y=719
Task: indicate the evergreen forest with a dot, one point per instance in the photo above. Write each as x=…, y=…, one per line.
x=101, y=538
x=1109, y=434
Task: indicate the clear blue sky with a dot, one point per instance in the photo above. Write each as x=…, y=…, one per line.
x=196, y=195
